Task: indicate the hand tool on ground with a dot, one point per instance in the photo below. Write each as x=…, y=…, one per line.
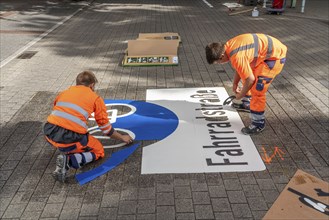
x=229, y=100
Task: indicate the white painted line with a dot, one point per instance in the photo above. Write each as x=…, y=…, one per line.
x=207, y=3
x=27, y=46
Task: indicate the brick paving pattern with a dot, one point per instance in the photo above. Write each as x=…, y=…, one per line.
x=95, y=39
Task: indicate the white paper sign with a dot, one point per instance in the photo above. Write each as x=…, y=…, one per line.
x=207, y=139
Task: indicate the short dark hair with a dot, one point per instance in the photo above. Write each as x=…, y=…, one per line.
x=86, y=78
x=214, y=51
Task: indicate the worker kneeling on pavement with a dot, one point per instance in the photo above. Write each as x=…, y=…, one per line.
x=257, y=59
x=66, y=127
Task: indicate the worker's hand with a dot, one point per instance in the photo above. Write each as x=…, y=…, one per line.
x=235, y=87
x=127, y=139
x=122, y=137
x=237, y=91
x=238, y=96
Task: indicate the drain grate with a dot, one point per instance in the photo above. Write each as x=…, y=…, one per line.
x=27, y=55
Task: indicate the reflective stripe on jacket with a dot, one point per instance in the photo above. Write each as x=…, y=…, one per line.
x=74, y=106
x=247, y=51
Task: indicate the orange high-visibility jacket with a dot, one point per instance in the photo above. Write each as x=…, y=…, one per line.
x=247, y=51
x=74, y=106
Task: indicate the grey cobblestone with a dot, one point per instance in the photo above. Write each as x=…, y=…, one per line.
x=232, y=184
x=165, y=213
x=221, y=205
x=217, y=191
x=274, y=167
x=70, y=214
x=52, y=210
x=146, y=206
x=30, y=215
x=89, y=209
x=226, y=176
x=4, y=175
x=252, y=190
x=146, y=217
x=247, y=179
x=73, y=202
x=185, y=216
x=323, y=171
x=224, y=215
x=257, y=203
x=165, y=187
x=296, y=113
x=87, y=217
x=22, y=197
x=201, y=198
x=198, y=186
x=165, y=199
x=8, y=191
x=14, y=211
x=203, y=212
x=108, y=213
x=126, y=217
x=265, y=184
x=146, y=193
x=110, y=199
x=258, y=214
x=36, y=204
x=16, y=179
x=236, y=197
x=279, y=178
x=280, y=187
x=270, y=195
x=214, y=179
x=241, y=211
x=184, y=205
x=127, y=207
x=183, y=192
x=181, y=180
x=129, y=194
x=57, y=198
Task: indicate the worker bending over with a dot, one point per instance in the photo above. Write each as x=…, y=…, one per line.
x=257, y=59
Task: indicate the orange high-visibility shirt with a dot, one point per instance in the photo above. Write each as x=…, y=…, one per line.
x=247, y=51
x=74, y=106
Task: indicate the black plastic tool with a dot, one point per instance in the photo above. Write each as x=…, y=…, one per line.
x=229, y=100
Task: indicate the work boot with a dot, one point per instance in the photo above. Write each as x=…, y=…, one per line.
x=240, y=107
x=61, y=168
x=252, y=129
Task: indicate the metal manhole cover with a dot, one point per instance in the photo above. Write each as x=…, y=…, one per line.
x=27, y=55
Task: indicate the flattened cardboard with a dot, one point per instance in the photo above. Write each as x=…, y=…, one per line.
x=152, y=49
x=292, y=202
x=159, y=36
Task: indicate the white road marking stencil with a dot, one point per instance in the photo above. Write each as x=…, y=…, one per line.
x=207, y=139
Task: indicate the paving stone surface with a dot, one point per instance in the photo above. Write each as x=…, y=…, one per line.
x=95, y=39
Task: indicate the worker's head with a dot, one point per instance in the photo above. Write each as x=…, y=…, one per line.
x=87, y=78
x=215, y=53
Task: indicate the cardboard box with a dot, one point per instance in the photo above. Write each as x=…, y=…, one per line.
x=152, y=50
x=159, y=36
x=305, y=197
